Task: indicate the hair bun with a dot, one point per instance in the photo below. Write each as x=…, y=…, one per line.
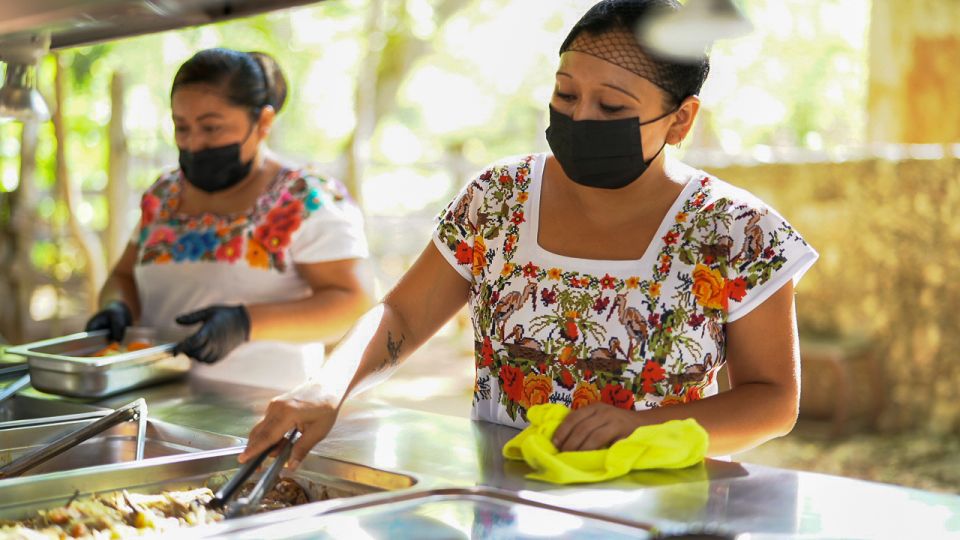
x=276, y=83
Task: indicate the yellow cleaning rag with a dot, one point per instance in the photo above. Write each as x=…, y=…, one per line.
x=671, y=445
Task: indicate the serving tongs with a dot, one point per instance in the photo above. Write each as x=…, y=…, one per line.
x=136, y=410
x=225, y=498
x=19, y=384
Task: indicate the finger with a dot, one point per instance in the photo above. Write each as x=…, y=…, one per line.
x=263, y=436
x=569, y=424
x=117, y=328
x=192, y=345
x=193, y=317
x=601, y=437
x=312, y=435
x=578, y=438
x=96, y=322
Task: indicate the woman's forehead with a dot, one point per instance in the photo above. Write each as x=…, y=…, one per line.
x=586, y=69
x=200, y=99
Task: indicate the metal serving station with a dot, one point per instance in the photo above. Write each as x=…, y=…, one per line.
x=382, y=472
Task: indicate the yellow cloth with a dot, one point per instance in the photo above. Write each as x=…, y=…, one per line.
x=671, y=445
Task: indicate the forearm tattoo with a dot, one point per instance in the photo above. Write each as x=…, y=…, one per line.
x=393, y=352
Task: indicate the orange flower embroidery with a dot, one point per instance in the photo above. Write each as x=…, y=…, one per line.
x=633, y=282
x=585, y=394
x=536, y=390
x=554, y=274
x=257, y=256
x=479, y=255
x=655, y=290
x=709, y=287
x=507, y=269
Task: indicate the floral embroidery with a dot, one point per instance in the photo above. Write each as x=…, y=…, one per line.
x=260, y=238
x=652, y=336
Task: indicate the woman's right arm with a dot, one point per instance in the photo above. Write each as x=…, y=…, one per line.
x=121, y=285
x=427, y=296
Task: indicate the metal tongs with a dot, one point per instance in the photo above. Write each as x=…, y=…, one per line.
x=18, y=384
x=225, y=497
x=136, y=410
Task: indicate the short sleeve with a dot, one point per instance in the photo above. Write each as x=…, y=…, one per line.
x=154, y=205
x=456, y=229
x=333, y=228
x=770, y=253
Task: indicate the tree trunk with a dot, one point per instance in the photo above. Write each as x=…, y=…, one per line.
x=358, y=153
x=914, y=47
x=69, y=194
x=118, y=190
x=19, y=235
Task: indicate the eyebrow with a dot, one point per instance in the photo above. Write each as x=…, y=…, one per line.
x=201, y=117
x=608, y=85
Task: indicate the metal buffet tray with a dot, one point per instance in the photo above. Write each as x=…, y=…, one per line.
x=473, y=512
x=116, y=445
x=322, y=478
x=64, y=366
x=21, y=410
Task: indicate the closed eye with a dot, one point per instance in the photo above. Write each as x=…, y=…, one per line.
x=565, y=97
x=611, y=109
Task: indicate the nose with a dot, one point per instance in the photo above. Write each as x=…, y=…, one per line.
x=583, y=111
x=192, y=141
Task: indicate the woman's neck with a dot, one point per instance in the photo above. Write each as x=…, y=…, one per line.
x=657, y=187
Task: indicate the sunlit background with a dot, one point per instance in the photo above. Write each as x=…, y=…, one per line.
x=819, y=111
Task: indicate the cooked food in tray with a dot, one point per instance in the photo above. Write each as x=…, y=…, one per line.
x=120, y=514
x=116, y=347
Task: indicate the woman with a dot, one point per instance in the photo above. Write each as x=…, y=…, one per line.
x=235, y=246
x=604, y=276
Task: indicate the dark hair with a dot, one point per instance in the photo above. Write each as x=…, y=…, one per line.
x=679, y=78
x=247, y=79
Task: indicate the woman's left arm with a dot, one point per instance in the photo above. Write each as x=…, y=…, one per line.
x=763, y=362
x=338, y=299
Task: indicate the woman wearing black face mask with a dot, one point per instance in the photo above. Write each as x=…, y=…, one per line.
x=603, y=277
x=234, y=245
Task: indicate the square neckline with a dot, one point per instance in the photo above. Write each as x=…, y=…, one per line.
x=250, y=214
x=589, y=265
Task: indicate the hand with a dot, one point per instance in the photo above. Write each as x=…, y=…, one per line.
x=224, y=329
x=115, y=317
x=595, y=426
x=304, y=408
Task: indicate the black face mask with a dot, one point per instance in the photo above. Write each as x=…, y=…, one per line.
x=215, y=169
x=604, y=154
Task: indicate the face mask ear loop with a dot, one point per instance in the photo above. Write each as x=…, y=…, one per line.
x=662, y=146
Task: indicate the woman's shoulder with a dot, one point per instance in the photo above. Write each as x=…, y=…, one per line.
x=166, y=182
x=312, y=188
x=715, y=200
x=503, y=180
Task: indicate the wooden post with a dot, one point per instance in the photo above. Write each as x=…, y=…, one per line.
x=914, y=52
x=117, y=178
x=358, y=153
x=69, y=195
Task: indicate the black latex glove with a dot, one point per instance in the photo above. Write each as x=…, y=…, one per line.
x=115, y=317
x=224, y=329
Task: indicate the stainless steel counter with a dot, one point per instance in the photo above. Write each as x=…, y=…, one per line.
x=447, y=451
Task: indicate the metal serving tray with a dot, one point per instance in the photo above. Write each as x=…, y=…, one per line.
x=322, y=478
x=21, y=410
x=116, y=445
x=476, y=512
x=64, y=366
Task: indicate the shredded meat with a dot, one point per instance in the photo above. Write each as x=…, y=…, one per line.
x=121, y=514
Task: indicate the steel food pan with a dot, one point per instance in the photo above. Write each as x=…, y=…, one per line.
x=476, y=512
x=322, y=478
x=116, y=445
x=21, y=410
x=64, y=365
